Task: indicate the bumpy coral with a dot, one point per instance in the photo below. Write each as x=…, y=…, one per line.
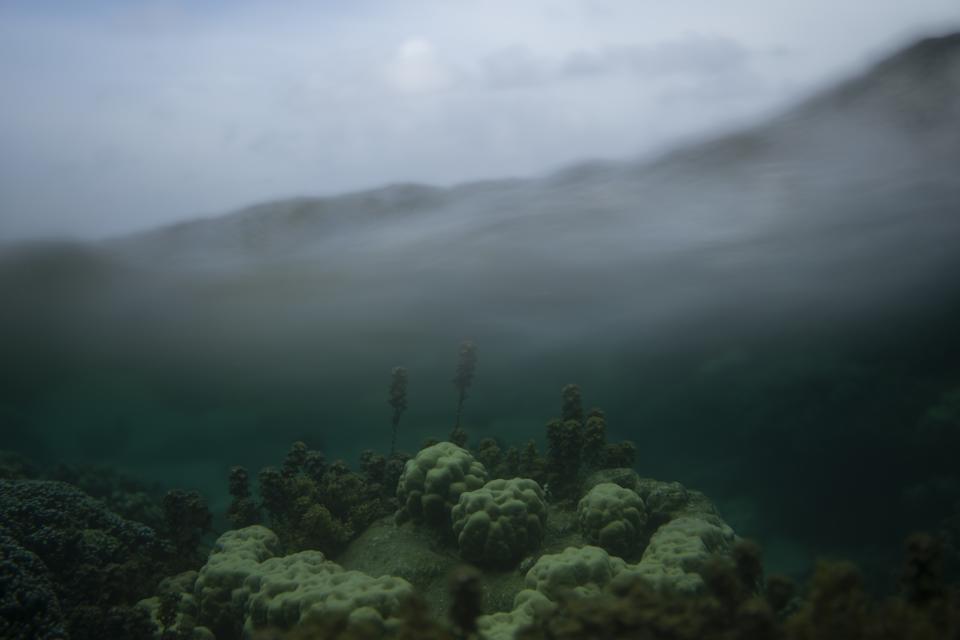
x=678, y=550
x=579, y=570
x=500, y=523
x=433, y=481
x=612, y=517
x=305, y=587
x=243, y=581
x=528, y=606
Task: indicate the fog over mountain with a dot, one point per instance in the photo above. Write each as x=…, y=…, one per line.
x=847, y=200
x=749, y=257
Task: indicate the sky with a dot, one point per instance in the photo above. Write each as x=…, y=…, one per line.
x=122, y=115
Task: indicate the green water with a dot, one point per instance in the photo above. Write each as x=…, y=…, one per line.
x=813, y=436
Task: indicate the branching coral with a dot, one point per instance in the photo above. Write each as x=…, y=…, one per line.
x=243, y=511
x=72, y=555
x=576, y=447
x=321, y=512
x=397, y=401
x=186, y=520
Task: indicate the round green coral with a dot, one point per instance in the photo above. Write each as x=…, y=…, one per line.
x=612, y=517
x=433, y=481
x=501, y=523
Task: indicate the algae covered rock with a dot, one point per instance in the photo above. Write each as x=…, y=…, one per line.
x=432, y=482
x=612, y=517
x=500, y=523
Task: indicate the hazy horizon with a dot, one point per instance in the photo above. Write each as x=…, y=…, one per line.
x=128, y=116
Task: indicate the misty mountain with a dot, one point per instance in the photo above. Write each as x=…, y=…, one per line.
x=847, y=201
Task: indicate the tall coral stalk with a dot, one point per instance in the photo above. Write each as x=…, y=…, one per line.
x=398, y=400
x=466, y=367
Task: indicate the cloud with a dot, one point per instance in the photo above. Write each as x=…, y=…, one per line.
x=417, y=68
x=119, y=117
x=516, y=66
x=692, y=55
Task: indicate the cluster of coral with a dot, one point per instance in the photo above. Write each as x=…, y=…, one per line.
x=493, y=543
x=244, y=587
x=80, y=546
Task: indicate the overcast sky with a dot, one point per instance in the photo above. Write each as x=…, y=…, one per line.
x=117, y=115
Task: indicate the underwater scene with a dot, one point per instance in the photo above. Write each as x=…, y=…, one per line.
x=706, y=391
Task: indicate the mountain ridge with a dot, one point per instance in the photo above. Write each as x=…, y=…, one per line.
x=932, y=52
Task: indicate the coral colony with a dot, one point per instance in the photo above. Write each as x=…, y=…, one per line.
x=449, y=542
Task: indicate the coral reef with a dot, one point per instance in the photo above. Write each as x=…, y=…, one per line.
x=245, y=588
x=243, y=511
x=29, y=607
x=836, y=608
x=578, y=569
x=463, y=378
x=121, y=494
x=174, y=610
x=305, y=586
x=312, y=505
x=491, y=456
x=593, y=455
x=564, y=443
x=186, y=520
x=678, y=549
x=500, y=523
x=612, y=517
x=433, y=481
x=571, y=405
x=397, y=401
x=70, y=554
x=577, y=446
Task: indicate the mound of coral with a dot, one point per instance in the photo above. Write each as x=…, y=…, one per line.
x=500, y=523
x=612, y=517
x=432, y=482
x=245, y=588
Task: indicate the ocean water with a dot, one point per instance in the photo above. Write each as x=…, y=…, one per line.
x=815, y=438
